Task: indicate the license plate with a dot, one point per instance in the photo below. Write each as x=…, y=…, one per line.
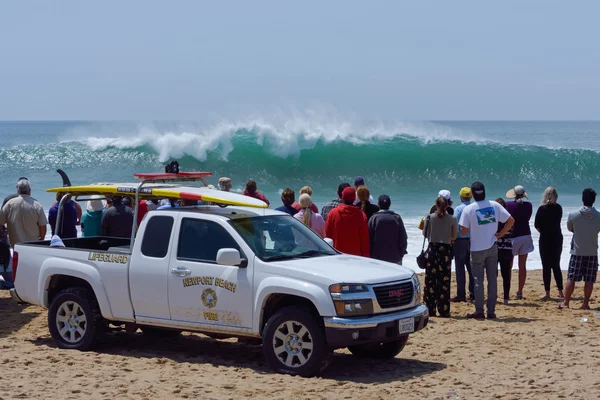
x=407, y=325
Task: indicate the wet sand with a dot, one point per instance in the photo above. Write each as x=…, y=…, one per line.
x=533, y=351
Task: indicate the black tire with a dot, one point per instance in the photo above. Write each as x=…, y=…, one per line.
x=312, y=360
x=381, y=351
x=87, y=306
x=159, y=333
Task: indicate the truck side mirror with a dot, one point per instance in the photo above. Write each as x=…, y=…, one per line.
x=230, y=257
x=329, y=241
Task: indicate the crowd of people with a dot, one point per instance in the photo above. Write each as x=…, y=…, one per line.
x=479, y=235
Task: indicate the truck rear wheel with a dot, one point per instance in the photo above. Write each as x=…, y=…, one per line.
x=74, y=319
x=380, y=350
x=294, y=343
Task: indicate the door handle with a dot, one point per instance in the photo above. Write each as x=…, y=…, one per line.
x=181, y=271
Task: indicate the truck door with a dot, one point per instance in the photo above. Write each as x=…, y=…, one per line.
x=148, y=270
x=202, y=291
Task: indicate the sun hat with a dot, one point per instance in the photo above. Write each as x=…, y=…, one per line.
x=445, y=194
x=305, y=200
x=466, y=193
x=96, y=204
x=518, y=191
x=349, y=194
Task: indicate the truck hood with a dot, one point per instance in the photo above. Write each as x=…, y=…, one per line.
x=341, y=269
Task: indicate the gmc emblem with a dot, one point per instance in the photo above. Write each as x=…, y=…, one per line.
x=395, y=293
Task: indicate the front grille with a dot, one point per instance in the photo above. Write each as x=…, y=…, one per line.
x=396, y=295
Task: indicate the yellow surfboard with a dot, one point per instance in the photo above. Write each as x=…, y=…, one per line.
x=162, y=191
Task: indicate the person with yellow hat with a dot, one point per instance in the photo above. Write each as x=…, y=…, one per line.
x=462, y=252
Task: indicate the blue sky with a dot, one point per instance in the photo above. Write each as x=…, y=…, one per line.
x=393, y=60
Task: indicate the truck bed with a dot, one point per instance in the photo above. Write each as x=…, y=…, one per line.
x=98, y=243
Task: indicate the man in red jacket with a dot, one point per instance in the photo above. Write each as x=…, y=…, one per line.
x=347, y=226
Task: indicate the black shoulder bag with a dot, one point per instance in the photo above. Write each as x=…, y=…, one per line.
x=421, y=259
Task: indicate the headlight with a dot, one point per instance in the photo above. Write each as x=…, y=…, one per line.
x=342, y=288
x=351, y=299
x=353, y=307
x=417, y=286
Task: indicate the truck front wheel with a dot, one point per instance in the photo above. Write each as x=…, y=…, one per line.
x=74, y=319
x=294, y=343
x=380, y=350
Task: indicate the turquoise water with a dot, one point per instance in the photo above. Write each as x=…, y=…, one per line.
x=410, y=161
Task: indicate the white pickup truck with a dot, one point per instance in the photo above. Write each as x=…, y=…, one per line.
x=235, y=272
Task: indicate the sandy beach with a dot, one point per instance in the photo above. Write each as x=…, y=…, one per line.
x=532, y=351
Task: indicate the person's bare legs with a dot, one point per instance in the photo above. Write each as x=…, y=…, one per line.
x=587, y=293
x=522, y=273
x=569, y=288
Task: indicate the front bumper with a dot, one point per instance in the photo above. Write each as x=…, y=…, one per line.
x=376, y=328
x=15, y=296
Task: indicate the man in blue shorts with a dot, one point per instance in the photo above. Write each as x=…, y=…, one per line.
x=585, y=225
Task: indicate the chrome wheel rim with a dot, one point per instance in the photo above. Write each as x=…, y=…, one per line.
x=71, y=322
x=293, y=344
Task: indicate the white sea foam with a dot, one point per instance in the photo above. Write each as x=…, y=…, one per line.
x=284, y=134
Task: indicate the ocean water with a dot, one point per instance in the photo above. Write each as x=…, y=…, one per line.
x=410, y=161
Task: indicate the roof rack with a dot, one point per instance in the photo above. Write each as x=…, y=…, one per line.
x=163, y=177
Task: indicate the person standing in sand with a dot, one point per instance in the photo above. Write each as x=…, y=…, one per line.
x=547, y=222
x=25, y=217
x=440, y=229
x=347, y=226
x=481, y=220
x=309, y=218
x=224, y=184
x=252, y=191
x=287, y=198
x=521, y=211
x=364, y=204
x=306, y=190
x=462, y=253
x=585, y=225
x=387, y=234
x=335, y=202
x=358, y=182
x=505, y=256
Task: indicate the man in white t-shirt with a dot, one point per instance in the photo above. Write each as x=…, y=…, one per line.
x=480, y=219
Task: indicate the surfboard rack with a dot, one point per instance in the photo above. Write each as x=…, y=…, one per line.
x=171, y=177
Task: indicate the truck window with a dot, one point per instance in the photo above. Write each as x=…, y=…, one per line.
x=201, y=240
x=157, y=236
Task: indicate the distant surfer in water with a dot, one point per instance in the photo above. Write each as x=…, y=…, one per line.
x=252, y=191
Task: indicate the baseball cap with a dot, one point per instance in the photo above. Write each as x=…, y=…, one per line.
x=349, y=194
x=445, y=194
x=384, y=201
x=517, y=191
x=466, y=192
x=478, y=188
x=359, y=181
x=21, y=178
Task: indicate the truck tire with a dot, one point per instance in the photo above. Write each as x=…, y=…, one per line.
x=294, y=343
x=74, y=319
x=159, y=333
x=380, y=351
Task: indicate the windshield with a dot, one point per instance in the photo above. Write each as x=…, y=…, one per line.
x=280, y=237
